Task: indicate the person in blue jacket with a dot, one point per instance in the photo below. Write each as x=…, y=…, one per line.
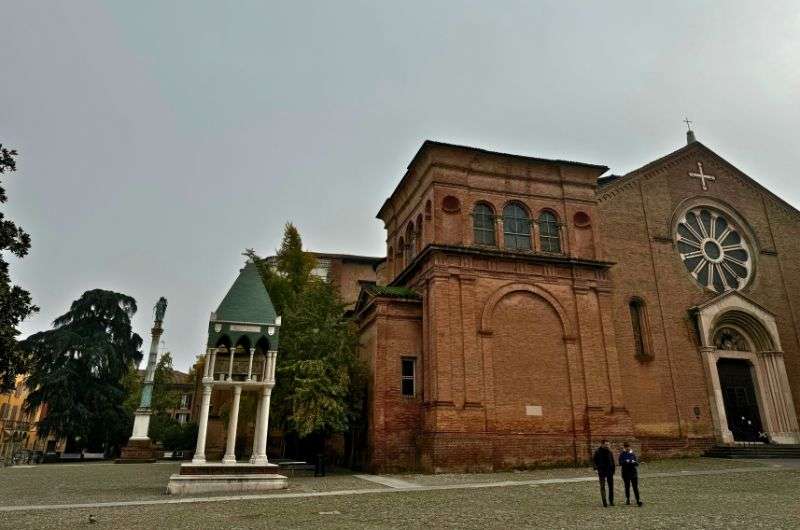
x=629, y=465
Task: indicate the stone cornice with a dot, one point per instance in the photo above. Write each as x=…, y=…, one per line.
x=497, y=253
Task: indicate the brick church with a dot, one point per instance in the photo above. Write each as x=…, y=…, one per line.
x=529, y=307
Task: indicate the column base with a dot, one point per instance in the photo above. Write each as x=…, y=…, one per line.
x=215, y=476
x=229, y=460
x=785, y=438
x=138, y=452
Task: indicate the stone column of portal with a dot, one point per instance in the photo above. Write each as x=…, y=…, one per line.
x=779, y=398
x=233, y=423
x=202, y=427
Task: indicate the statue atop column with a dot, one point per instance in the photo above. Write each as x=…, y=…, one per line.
x=160, y=309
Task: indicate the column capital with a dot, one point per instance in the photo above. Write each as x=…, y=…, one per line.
x=237, y=390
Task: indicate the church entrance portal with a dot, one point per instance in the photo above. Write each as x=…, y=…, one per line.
x=739, y=397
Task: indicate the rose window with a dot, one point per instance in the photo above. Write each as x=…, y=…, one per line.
x=713, y=250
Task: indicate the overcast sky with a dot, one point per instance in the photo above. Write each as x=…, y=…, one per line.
x=159, y=139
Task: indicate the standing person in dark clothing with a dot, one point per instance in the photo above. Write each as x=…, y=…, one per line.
x=629, y=465
x=604, y=465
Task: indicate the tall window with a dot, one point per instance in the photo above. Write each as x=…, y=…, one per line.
x=408, y=367
x=548, y=233
x=639, y=324
x=483, y=224
x=516, y=227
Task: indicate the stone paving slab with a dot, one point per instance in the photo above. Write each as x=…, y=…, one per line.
x=399, y=486
x=764, y=499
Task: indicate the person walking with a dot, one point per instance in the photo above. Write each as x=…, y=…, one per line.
x=629, y=465
x=603, y=463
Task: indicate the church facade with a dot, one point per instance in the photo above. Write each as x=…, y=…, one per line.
x=528, y=308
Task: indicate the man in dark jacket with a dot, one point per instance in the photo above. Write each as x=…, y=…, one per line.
x=604, y=465
x=629, y=465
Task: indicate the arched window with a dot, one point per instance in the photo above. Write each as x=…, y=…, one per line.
x=483, y=224
x=410, y=237
x=516, y=227
x=549, y=239
x=639, y=325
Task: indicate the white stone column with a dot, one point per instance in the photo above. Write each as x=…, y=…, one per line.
x=233, y=423
x=213, y=362
x=208, y=369
x=250, y=365
x=263, y=426
x=230, y=364
x=256, y=433
x=202, y=428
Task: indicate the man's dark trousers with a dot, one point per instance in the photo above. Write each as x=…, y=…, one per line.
x=607, y=478
x=631, y=480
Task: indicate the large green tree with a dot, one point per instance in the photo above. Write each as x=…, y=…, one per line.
x=15, y=302
x=287, y=274
x=79, y=368
x=320, y=383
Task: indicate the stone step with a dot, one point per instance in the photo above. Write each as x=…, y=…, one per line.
x=754, y=451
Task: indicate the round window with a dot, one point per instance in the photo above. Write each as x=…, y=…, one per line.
x=713, y=250
x=451, y=204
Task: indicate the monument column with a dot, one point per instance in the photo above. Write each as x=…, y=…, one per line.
x=202, y=426
x=256, y=433
x=233, y=423
x=263, y=426
x=140, y=448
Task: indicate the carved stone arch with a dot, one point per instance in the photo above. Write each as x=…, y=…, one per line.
x=502, y=292
x=735, y=309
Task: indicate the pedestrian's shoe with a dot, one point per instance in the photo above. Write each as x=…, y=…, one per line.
x=605, y=505
x=639, y=503
x=627, y=501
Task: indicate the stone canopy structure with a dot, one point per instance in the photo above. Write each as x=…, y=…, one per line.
x=241, y=354
x=529, y=307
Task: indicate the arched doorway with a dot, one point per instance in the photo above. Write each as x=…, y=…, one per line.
x=737, y=381
x=739, y=399
x=748, y=388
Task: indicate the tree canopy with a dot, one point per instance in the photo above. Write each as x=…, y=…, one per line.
x=320, y=381
x=15, y=302
x=79, y=368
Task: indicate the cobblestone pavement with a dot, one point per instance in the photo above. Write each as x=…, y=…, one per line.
x=759, y=496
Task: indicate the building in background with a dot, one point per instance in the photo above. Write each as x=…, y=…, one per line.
x=349, y=272
x=18, y=429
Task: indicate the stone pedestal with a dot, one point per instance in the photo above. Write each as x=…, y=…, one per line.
x=138, y=452
x=210, y=477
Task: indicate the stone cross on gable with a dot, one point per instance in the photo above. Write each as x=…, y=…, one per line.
x=702, y=176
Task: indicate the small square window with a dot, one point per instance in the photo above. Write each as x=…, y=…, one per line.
x=408, y=368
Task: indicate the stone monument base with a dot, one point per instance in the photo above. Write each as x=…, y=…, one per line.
x=215, y=476
x=138, y=452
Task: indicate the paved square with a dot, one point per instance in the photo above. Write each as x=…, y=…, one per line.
x=691, y=493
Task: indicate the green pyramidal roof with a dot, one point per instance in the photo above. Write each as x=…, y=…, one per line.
x=246, y=311
x=247, y=300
